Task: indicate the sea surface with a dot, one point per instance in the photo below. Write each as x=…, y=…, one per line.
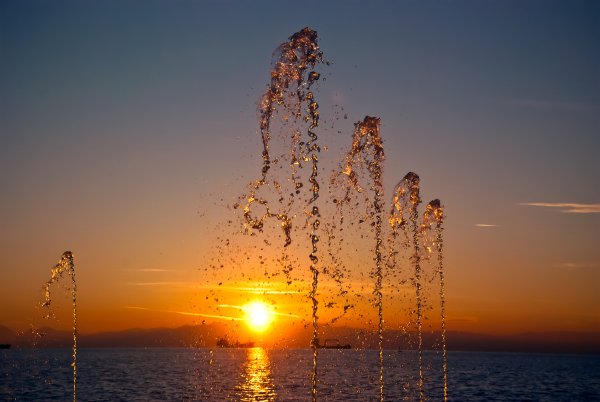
x=256, y=374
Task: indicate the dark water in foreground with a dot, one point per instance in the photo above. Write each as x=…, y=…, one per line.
x=170, y=374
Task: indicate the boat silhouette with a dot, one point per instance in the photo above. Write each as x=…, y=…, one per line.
x=224, y=343
x=333, y=344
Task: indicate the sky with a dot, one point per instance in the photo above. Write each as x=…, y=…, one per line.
x=128, y=127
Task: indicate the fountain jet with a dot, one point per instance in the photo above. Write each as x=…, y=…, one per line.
x=367, y=152
x=434, y=214
x=404, y=211
x=65, y=265
x=290, y=89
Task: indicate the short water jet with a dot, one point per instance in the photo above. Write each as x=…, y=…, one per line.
x=367, y=152
x=434, y=214
x=65, y=265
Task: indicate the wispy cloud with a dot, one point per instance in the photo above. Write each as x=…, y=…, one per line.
x=245, y=309
x=152, y=270
x=485, y=225
x=357, y=288
x=576, y=265
x=567, y=207
x=161, y=284
x=258, y=290
x=224, y=317
x=193, y=314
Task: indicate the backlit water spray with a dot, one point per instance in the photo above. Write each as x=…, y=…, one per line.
x=405, y=213
x=290, y=93
x=433, y=219
x=64, y=267
x=267, y=202
x=367, y=153
x=290, y=89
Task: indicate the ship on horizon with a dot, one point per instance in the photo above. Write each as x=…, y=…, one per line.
x=333, y=344
x=224, y=343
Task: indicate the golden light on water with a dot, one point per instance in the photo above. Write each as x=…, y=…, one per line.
x=258, y=315
x=257, y=382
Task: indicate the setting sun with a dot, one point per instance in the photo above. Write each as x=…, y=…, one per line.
x=258, y=315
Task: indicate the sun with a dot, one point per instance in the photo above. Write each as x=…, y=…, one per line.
x=258, y=315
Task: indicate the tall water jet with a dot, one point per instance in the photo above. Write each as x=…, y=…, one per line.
x=289, y=89
x=293, y=59
x=434, y=214
x=65, y=265
x=406, y=196
x=312, y=150
x=367, y=151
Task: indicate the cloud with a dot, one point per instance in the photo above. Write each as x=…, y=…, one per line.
x=485, y=225
x=575, y=265
x=243, y=308
x=161, y=284
x=193, y=314
x=566, y=207
x=224, y=317
x=256, y=290
x=152, y=270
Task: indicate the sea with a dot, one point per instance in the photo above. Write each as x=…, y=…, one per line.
x=257, y=374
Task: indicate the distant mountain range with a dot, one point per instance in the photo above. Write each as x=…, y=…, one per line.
x=207, y=335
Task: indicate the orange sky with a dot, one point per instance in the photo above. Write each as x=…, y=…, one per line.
x=130, y=150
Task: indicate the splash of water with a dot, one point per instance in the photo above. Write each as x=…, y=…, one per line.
x=290, y=92
x=404, y=211
x=290, y=89
x=367, y=151
x=434, y=214
x=65, y=265
x=293, y=59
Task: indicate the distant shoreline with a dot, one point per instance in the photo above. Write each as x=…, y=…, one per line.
x=205, y=336
x=374, y=350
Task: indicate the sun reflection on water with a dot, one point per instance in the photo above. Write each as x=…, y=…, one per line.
x=257, y=382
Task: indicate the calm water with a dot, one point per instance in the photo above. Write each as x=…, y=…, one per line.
x=284, y=375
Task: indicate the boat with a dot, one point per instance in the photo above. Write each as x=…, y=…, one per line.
x=4, y=345
x=224, y=343
x=333, y=344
